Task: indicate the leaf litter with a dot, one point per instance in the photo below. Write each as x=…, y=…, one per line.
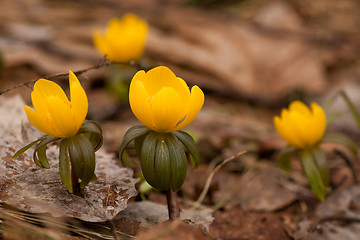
x=269, y=72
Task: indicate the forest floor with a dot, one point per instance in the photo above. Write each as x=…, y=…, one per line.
x=251, y=58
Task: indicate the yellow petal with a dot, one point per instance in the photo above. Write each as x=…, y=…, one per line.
x=42, y=90
x=79, y=101
x=300, y=126
x=39, y=103
x=160, y=77
x=140, y=76
x=285, y=132
x=293, y=122
x=300, y=107
x=140, y=102
x=61, y=117
x=285, y=115
x=133, y=36
x=114, y=27
x=39, y=122
x=193, y=106
x=282, y=130
x=167, y=110
x=319, y=122
x=183, y=90
x=130, y=19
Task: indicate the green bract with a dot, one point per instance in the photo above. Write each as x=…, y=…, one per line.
x=77, y=154
x=162, y=156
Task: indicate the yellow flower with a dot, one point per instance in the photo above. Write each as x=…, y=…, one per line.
x=300, y=126
x=54, y=114
x=124, y=39
x=162, y=101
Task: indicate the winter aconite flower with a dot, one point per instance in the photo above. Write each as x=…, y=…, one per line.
x=54, y=114
x=300, y=126
x=63, y=119
x=304, y=130
x=124, y=40
x=164, y=104
x=162, y=101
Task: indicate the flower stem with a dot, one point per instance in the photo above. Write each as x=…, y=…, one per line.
x=173, y=206
x=75, y=184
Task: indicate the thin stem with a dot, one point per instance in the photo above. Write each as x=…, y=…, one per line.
x=173, y=206
x=75, y=184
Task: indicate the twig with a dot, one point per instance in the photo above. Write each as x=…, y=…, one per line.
x=103, y=63
x=333, y=218
x=99, y=65
x=209, y=179
x=349, y=163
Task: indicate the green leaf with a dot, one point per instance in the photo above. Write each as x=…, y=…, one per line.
x=24, y=149
x=322, y=164
x=41, y=153
x=94, y=178
x=313, y=175
x=36, y=160
x=89, y=162
x=131, y=134
x=138, y=144
x=178, y=163
x=76, y=157
x=93, y=132
x=127, y=161
x=82, y=157
x=331, y=117
x=343, y=140
x=284, y=158
x=90, y=126
x=47, y=139
x=64, y=165
x=162, y=162
x=147, y=159
x=190, y=145
x=352, y=108
x=330, y=101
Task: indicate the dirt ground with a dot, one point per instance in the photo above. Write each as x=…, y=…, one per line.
x=251, y=58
